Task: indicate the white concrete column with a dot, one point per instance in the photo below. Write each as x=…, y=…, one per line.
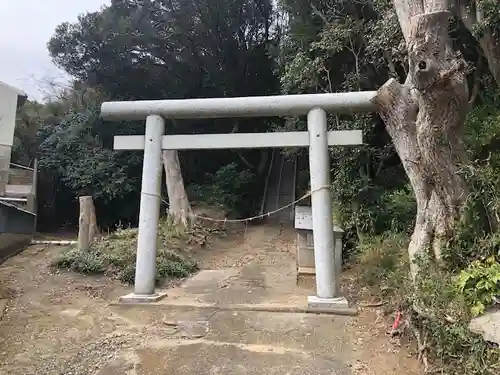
x=145, y=271
x=5, y=154
x=337, y=237
x=319, y=164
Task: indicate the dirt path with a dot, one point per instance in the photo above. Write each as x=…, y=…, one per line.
x=58, y=323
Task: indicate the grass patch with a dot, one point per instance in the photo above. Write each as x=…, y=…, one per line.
x=115, y=254
x=382, y=264
x=383, y=270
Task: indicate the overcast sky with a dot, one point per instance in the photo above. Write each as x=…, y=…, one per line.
x=25, y=28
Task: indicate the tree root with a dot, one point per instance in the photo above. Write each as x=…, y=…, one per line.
x=421, y=344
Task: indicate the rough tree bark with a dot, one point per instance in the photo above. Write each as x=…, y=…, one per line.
x=93, y=228
x=87, y=223
x=179, y=208
x=425, y=118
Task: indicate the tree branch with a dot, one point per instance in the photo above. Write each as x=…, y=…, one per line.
x=245, y=161
x=476, y=79
x=471, y=17
x=319, y=14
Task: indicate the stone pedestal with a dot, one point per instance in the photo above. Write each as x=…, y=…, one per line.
x=305, y=245
x=305, y=250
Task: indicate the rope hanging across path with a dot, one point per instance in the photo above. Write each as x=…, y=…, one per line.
x=261, y=216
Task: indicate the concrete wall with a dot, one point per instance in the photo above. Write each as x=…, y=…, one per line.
x=12, y=244
x=4, y=166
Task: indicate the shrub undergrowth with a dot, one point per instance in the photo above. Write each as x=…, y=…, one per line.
x=449, y=299
x=115, y=255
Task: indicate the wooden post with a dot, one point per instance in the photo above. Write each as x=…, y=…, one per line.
x=87, y=224
x=93, y=229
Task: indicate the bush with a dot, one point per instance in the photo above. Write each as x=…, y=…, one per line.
x=480, y=284
x=79, y=261
x=444, y=302
x=115, y=256
x=229, y=187
x=451, y=345
x=398, y=210
x=382, y=258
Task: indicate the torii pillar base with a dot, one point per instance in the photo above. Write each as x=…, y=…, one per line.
x=144, y=298
x=327, y=304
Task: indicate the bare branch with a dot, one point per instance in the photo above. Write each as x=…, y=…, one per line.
x=245, y=161
x=330, y=87
x=316, y=12
x=476, y=79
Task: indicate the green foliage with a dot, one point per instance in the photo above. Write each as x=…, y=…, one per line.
x=228, y=187
x=74, y=150
x=383, y=262
x=480, y=284
x=398, y=209
x=131, y=48
x=115, y=256
x=446, y=309
x=452, y=346
x=78, y=157
x=490, y=16
x=79, y=261
x=455, y=350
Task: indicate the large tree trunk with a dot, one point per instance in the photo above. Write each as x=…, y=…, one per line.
x=179, y=208
x=425, y=118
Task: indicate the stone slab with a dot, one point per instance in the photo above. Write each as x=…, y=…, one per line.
x=203, y=357
x=327, y=304
x=209, y=281
x=309, y=271
x=487, y=325
x=138, y=298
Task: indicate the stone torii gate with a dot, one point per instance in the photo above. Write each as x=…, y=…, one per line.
x=317, y=138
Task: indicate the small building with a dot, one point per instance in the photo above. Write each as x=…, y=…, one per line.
x=17, y=184
x=11, y=99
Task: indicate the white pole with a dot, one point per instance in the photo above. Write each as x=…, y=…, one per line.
x=149, y=213
x=319, y=164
